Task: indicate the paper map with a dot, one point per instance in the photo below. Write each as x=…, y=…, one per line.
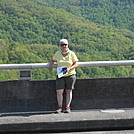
x=62, y=71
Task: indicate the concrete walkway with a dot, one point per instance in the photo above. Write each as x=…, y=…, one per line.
x=105, y=132
x=76, y=121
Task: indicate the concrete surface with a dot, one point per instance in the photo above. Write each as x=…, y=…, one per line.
x=76, y=121
x=105, y=132
x=40, y=95
x=88, y=132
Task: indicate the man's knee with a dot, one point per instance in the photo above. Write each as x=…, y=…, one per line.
x=69, y=91
x=59, y=92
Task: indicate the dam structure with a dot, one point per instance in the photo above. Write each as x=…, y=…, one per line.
x=99, y=104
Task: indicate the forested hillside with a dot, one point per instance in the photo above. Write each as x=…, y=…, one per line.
x=30, y=32
x=117, y=13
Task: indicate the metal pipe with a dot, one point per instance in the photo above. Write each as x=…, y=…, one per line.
x=80, y=64
x=106, y=63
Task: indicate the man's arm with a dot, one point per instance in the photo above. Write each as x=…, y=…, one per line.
x=73, y=66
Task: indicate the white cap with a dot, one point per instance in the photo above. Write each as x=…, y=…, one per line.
x=64, y=41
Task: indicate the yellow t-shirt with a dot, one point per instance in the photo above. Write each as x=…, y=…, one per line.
x=66, y=61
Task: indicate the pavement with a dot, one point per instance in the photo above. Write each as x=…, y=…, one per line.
x=95, y=121
x=105, y=132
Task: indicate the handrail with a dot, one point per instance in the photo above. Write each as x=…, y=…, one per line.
x=80, y=64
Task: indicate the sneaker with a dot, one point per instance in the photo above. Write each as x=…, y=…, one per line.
x=59, y=110
x=68, y=110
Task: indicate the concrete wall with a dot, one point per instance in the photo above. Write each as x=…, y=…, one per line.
x=88, y=94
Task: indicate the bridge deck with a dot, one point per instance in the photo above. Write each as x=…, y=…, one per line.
x=87, y=120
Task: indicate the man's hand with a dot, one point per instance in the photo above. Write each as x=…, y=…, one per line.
x=51, y=65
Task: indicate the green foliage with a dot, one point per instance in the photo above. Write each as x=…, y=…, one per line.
x=8, y=75
x=30, y=32
x=118, y=13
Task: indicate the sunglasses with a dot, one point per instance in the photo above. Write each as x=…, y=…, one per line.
x=63, y=44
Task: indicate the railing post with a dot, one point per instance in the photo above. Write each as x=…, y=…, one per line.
x=25, y=74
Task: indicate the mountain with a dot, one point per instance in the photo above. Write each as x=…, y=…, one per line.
x=117, y=13
x=30, y=32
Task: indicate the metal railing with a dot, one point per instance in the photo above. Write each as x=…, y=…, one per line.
x=80, y=64
x=25, y=69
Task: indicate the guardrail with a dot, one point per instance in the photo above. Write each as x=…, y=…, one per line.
x=80, y=64
x=25, y=69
